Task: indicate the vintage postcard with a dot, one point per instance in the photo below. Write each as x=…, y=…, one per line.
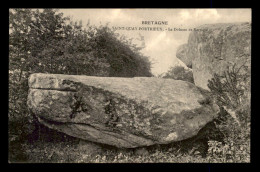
x=129, y=85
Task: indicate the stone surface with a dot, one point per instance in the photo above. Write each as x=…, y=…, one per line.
x=123, y=112
x=215, y=47
x=181, y=54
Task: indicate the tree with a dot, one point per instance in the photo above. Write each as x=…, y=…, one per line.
x=124, y=58
x=45, y=41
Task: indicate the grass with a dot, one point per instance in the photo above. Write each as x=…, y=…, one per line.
x=220, y=141
x=207, y=147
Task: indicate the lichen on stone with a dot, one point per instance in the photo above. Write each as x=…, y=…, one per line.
x=102, y=110
x=171, y=136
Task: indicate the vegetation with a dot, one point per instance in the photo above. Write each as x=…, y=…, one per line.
x=232, y=93
x=220, y=141
x=45, y=41
x=179, y=73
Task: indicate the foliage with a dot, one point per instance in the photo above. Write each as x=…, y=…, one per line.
x=180, y=73
x=44, y=41
x=230, y=88
x=57, y=147
x=64, y=149
x=232, y=93
x=124, y=58
x=235, y=146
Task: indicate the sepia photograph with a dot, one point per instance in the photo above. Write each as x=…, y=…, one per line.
x=130, y=85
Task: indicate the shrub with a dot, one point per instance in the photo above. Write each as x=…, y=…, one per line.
x=180, y=73
x=43, y=41
x=231, y=92
x=230, y=89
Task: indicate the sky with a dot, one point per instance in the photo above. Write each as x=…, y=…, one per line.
x=160, y=46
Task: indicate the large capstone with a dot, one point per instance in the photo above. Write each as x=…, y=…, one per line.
x=123, y=112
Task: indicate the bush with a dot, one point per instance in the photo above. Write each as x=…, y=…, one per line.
x=231, y=92
x=231, y=89
x=46, y=42
x=180, y=73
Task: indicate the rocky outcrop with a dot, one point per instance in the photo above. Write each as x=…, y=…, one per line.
x=212, y=48
x=123, y=112
x=181, y=54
